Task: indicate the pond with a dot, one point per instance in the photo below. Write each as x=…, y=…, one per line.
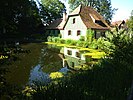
x=36, y=66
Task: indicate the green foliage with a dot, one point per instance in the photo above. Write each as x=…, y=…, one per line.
x=89, y=36
x=104, y=80
x=82, y=38
x=56, y=39
x=93, y=45
x=130, y=22
x=79, y=43
x=49, y=39
x=51, y=10
x=104, y=45
x=62, y=41
x=55, y=75
x=68, y=41
x=21, y=20
x=110, y=79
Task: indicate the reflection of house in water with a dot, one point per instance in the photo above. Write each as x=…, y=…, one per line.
x=73, y=57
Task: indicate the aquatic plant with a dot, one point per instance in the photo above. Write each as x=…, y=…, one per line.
x=56, y=75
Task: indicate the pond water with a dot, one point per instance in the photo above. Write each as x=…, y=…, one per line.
x=36, y=66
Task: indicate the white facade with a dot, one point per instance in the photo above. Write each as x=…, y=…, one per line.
x=74, y=24
x=73, y=53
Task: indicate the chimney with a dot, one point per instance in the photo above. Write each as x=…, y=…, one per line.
x=64, y=16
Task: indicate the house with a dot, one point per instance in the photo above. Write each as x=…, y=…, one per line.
x=79, y=21
x=119, y=24
x=56, y=27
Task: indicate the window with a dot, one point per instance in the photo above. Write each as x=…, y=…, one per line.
x=69, y=32
x=73, y=20
x=100, y=23
x=72, y=64
x=78, y=32
x=69, y=52
x=103, y=34
x=78, y=55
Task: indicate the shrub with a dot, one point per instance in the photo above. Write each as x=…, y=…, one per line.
x=93, y=45
x=62, y=41
x=49, y=39
x=73, y=42
x=89, y=35
x=82, y=38
x=68, y=41
x=56, y=75
x=55, y=39
x=85, y=44
x=80, y=43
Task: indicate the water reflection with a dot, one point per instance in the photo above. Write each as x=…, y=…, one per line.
x=38, y=77
x=74, y=57
x=43, y=59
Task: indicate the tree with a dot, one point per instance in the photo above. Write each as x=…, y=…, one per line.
x=130, y=22
x=18, y=17
x=51, y=10
x=102, y=6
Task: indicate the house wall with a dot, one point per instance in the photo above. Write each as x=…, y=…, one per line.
x=53, y=32
x=73, y=53
x=74, y=27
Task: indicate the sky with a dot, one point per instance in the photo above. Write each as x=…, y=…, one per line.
x=124, y=9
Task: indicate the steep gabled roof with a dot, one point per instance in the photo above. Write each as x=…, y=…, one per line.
x=91, y=18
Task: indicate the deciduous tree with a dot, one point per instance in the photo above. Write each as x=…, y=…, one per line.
x=130, y=22
x=51, y=10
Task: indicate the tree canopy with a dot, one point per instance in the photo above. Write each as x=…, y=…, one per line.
x=18, y=16
x=130, y=22
x=51, y=10
x=102, y=6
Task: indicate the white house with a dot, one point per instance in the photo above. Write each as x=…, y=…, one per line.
x=79, y=21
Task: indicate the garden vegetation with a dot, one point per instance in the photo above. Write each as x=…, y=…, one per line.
x=110, y=79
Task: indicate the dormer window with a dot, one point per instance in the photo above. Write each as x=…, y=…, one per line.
x=73, y=20
x=100, y=23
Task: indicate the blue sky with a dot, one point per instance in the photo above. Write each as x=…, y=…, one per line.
x=124, y=9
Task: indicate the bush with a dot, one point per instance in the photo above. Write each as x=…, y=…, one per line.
x=93, y=45
x=56, y=39
x=73, y=42
x=82, y=38
x=62, y=41
x=68, y=41
x=85, y=44
x=80, y=43
x=49, y=39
